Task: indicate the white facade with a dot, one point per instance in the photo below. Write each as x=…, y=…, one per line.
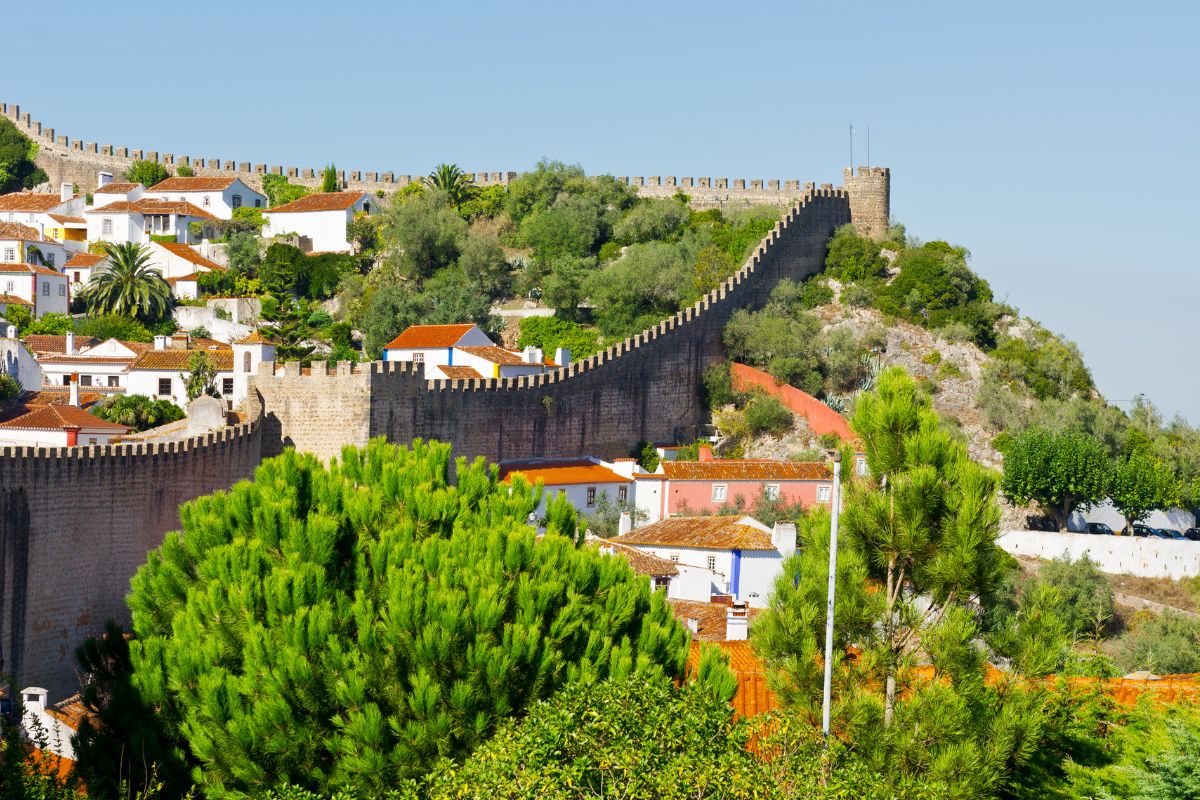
x=121, y=222
x=45, y=288
x=220, y=202
x=80, y=268
x=176, y=260
x=326, y=228
x=17, y=361
x=38, y=725
x=1119, y=555
x=437, y=356
x=105, y=365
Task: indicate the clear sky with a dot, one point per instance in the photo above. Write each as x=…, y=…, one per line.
x=1056, y=140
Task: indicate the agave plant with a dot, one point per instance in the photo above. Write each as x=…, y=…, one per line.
x=873, y=367
x=838, y=402
x=453, y=181
x=129, y=286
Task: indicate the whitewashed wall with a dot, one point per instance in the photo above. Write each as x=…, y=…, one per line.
x=1119, y=555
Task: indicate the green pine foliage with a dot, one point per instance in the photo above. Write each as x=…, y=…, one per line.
x=345, y=627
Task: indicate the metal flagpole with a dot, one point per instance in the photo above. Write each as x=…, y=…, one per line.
x=852, y=147
x=868, y=146
x=835, y=507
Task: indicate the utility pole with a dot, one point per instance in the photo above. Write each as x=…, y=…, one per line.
x=835, y=508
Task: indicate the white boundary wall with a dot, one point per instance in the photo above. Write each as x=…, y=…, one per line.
x=1119, y=555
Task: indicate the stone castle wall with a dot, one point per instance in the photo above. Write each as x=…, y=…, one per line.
x=78, y=161
x=76, y=523
x=643, y=389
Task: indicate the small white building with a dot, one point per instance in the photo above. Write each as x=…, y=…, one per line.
x=53, y=216
x=18, y=361
x=159, y=373
x=463, y=352
x=23, y=281
x=322, y=217
x=140, y=220
x=58, y=424
x=82, y=266
x=584, y=481
x=110, y=192
x=735, y=556
x=50, y=726
x=215, y=195
x=433, y=345
x=175, y=260
x=97, y=364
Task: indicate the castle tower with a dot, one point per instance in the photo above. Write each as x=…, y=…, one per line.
x=870, y=199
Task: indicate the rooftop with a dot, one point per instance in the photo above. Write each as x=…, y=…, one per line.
x=496, y=355
x=192, y=184
x=460, y=373
x=56, y=417
x=420, y=337
x=189, y=254
x=254, y=337
x=563, y=472
x=177, y=360
x=25, y=233
x=710, y=617
x=711, y=533
x=319, y=201
x=85, y=259
x=642, y=562
x=747, y=471
x=32, y=202
x=117, y=188
x=152, y=206
x=48, y=343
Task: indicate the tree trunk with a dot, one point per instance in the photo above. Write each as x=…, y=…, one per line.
x=889, y=698
x=1065, y=521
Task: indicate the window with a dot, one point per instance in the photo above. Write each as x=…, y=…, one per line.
x=623, y=494
x=591, y=496
x=771, y=490
x=164, y=386
x=712, y=563
x=418, y=358
x=66, y=380
x=49, y=259
x=114, y=381
x=45, y=288
x=208, y=202
x=85, y=380
x=92, y=440
x=823, y=494
x=10, y=254
x=106, y=227
x=227, y=386
x=62, y=290
x=237, y=201
x=662, y=582
x=8, y=288
x=675, y=557
x=718, y=493
x=75, y=275
x=861, y=466
x=257, y=203
x=366, y=208
x=246, y=362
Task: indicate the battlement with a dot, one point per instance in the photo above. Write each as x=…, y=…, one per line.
x=27, y=457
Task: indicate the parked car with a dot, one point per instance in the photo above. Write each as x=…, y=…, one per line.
x=1142, y=530
x=1097, y=527
x=1192, y=534
x=1169, y=533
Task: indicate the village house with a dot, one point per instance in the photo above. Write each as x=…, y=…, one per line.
x=707, y=485
x=159, y=373
x=139, y=221
x=584, y=481
x=109, y=192
x=180, y=265
x=51, y=726
x=57, y=424
x=81, y=267
x=25, y=280
x=97, y=364
x=462, y=352
x=216, y=196
x=738, y=557
x=53, y=216
x=321, y=217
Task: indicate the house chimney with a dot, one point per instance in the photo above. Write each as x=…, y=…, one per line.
x=72, y=432
x=11, y=332
x=737, y=623
x=105, y=179
x=562, y=356
x=34, y=698
x=70, y=348
x=531, y=355
x=783, y=537
x=693, y=625
x=625, y=524
x=74, y=389
x=704, y=453
x=160, y=342
x=66, y=191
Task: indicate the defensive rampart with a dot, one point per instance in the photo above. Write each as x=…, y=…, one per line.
x=66, y=159
x=643, y=389
x=76, y=523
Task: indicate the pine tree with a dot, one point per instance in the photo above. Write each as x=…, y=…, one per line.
x=346, y=627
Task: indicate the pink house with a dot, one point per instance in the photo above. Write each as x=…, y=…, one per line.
x=704, y=486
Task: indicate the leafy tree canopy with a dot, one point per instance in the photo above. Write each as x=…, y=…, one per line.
x=137, y=411
x=1060, y=472
x=279, y=192
x=147, y=173
x=17, y=152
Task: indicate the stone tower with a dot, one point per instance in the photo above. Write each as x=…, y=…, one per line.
x=870, y=199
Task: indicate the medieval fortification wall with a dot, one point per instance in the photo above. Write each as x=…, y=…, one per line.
x=76, y=523
x=66, y=159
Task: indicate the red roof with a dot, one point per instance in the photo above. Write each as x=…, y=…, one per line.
x=497, y=355
x=711, y=533
x=25, y=233
x=58, y=417
x=422, y=337
x=117, y=188
x=319, y=201
x=460, y=373
x=32, y=202
x=13, y=300
x=643, y=563
x=85, y=260
x=747, y=471
x=567, y=472
x=150, y=205
x=42, y=343
x=65, y=220
x=188, y=254
x=192, y=184
x=31, y=269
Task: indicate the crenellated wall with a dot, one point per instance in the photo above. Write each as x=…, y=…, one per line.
x=645, y=388
x=76, y=523
x=78, y=161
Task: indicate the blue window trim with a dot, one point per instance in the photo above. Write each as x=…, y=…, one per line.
x=735, y=584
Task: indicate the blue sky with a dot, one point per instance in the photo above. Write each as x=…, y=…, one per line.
x=1055, y=140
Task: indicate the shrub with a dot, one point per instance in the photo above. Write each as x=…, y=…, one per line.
x=857, y=295
x=853, y=258
x=1165, y=644
x=765, y=414
x=113, y=326
x=650, y=220
x=932, y=357
x=10, y=389
x=20, y=317
x=137, y=411
x=146, y=173
x=718, y=388
x=550, y=333
x=955, y=332
x=815, y=293
x=319, y=319
x=200, y=332
x=1086, y=597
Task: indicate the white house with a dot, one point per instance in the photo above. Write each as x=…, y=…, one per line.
x=216, y=196
x=433, y=345
x=461, y=352
x=738, y=557
x=53, y=216
x=26, y=244
x=582, y=480
x=322, y=217
x=139, y=220
x=81, y=266
x=25, y=282
x=51, y=726
x=97, y=364
x=18, y=361
x=158, y=373
x=110, y=192
x=58, y=424
x=175, y=260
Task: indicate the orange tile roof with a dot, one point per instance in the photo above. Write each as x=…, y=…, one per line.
x=747, y=471
x=71, y=712
x=460, y=373
x=254, y=337
x=55, y=417
x=41, y=343
x=25, y=233
x=150, y=205
x=497, y=355
x=192, y=184
x=713, y=533
x=177, y=360
x=60, y=395
x=85, y=260
x=319, y=201
x=420, y=337
x=28, y=269
x=13, y=300
x=753, y=696
x=117, y=188
x=68, y=220
x=642, y=562
x=711, y=618
x=83, y=358
x=566, y=472
x=188, y=254
x=191, y=276
x=33, y=202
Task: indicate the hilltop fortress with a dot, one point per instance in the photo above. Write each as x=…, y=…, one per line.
x=75, y=523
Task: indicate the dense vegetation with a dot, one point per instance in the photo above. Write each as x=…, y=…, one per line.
x=17, y=153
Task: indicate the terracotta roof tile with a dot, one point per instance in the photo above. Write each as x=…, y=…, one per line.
x=319, y=201
x=642, y=562
x=148, y=205
x=753, y=696
x=177, y=360
x=192, y=184
x=68, y=220
x=714, y=533
x=710, y=617
x=25, y=233
x=33, y=202
x=747, y=471
x=60, y=395
x=565, y=472
x=420, y=337
x=55, y=417
x=71, y=711
x=117, y=188
x=13, y=300
x=28, y=269
x=460, y=373
x=254, y=337
x=85, y=259
x=496, y=355
x=48, y=343
x=189, y=254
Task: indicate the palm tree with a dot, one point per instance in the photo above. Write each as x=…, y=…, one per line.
x=453, y=181
x=129, y=286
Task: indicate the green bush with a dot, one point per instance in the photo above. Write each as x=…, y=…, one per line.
x=932, y=357
x=815, y=293
x=163, y=238
x=935, y=288
x=1165, y=644
x=854, y=258
x=137, y=411
x=857, y=295
x=19, y=316
x=766, y=414
x=10, y=389
x=718, y=388
x=113, y=326
x=1086, y=597
x=550, y=333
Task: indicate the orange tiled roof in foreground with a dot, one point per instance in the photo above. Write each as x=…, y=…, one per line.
x=65, y=220
x=496, y=355
x=117, y=188
x=17, y=231
x=747, y=471
x=192, y=184
x=85, y=260
x=177, y=360
x=460, y=373
x=56, y=417
x=714, y=533
x=188, y=254
x=13, y=300
x=710, y=617
x=564, y=472
x=31, y=202
x=148, y=205
x=753, y=697
x=642, y=562
x=421, y=337
x=319, y=201
x=254, y=337
x=56, y=343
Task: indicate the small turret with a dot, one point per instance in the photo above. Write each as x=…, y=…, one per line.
x=870, y=200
